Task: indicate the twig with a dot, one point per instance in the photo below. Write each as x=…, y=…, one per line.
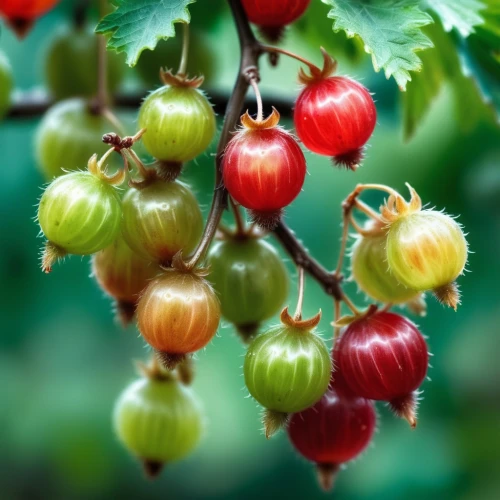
x=33, y=103
x=329, y=281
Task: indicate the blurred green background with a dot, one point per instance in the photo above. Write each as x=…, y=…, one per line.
x=63, y=360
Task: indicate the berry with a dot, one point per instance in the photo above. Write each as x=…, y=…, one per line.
x=6, y=84
x=426, y=249
x=383, y=356
x=273, y=15
x=179, y=120
x=178, y=314
x=79, y=213
x=71, y=61
x=334, y=115
x=371, y=272
x=161, y=219
x=337, y=429
x=68, y=136
x=21, y=14
x=287, y=369
x=159, y=421
x=250, y=280
x=167, y=54
x=123, y=275
x=263, y=168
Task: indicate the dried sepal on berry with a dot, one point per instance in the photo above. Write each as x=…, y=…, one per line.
x=316, y=74
x=176, y=80
x=396, y=206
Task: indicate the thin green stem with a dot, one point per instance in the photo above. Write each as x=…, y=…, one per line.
x=185, y=50
x=258, y=97
x=300, y=300
x=278, y=50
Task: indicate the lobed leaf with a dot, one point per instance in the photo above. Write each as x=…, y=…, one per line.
x=462, y=15
x=390, y=30
x=137, y=25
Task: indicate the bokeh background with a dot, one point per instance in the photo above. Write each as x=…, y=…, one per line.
x=64, y=361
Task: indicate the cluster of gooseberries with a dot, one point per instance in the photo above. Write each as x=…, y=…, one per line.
x=176, y=277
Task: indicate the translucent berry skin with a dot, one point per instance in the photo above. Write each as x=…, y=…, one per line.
x=70, y=63
x=371, y=272
x=335, y=430
x=180, y=123
x=271, y=13
x=250, y=279
x=382, y=356
x=287, y=369
x=25, y=9
x=6, y=84
x=158, y=420
x=161, y=219
x=121, y=273
x=68, y=136
x=178, y=313
x=426, y=250
x=80, y=213
x=335, y=117
x=264, y=169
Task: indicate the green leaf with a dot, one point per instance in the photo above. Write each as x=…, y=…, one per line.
x=316, y=29
x=480, y=58
x=137, y=25
x=461, y=15
x=390, y=30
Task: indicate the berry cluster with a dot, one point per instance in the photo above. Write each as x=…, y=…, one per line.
x=151, y=254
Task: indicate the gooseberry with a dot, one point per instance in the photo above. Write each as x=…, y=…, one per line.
x=158, y=420
x=250, y=279
x=383, y=356
x=161, y=219
x=334, y=115
x=79, y=213
x=287, y=369
x=123, y=275
x=263, y=168
x=178, y=314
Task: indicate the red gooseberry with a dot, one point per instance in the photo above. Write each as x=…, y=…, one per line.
x=383, y=356
x=264, y=168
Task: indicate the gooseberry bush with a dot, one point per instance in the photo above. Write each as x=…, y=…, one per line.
x=176, y=274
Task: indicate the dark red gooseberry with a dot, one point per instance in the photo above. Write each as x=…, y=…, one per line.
x=383, y=356
x=333, y=431
x=273, y=15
